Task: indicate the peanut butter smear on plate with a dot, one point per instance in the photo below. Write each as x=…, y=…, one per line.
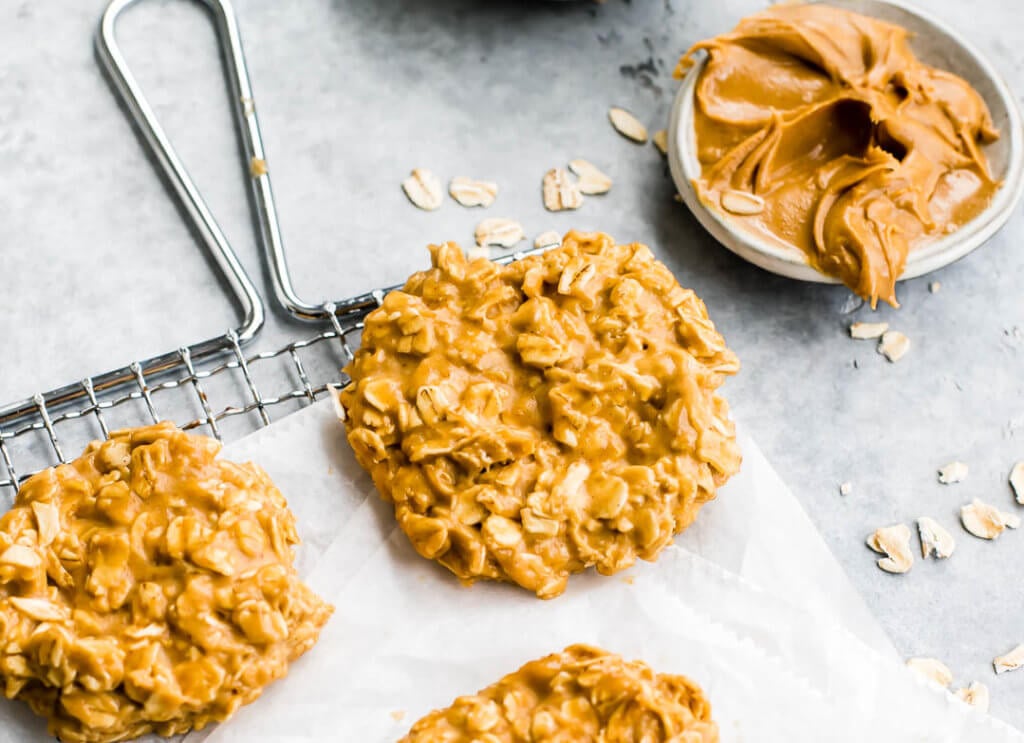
x=820, y=128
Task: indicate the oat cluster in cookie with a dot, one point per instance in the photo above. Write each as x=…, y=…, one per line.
x=580, y=694
x=531, y=420
x=148, y=587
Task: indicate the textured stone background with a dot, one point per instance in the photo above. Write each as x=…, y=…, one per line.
x=96, y=267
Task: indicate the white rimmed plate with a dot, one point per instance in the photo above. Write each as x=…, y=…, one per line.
x=935, y=44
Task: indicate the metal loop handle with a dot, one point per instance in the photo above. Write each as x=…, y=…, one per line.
x=188, y=194
x=244, y=106
x=245, y=293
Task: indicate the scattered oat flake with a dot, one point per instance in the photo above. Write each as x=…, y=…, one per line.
x=677, y=197
x=952, y=473
x=627, y=124
x=741, y=203
x=1011, y=661
x=975, y=695
x=423, y=189
x=547, y=239
x=398, y=715
x=986, y=521
x=894, y=543
x=469, y=192
x=560, y=191
x=591, y=180
x=660, y=139
x=499, y=231
x=934, y=289
x=866, y=331
x=894, y=345
x=845, y=488
x=1017, y=481
x=629, y=580
x=478, y=251
x=932, y=669
x=257, y=167
x=935, y=540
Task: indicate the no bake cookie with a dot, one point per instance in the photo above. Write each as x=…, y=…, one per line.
x=531, y=420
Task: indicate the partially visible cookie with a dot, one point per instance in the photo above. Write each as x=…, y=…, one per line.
x=581, y=694
x=531, y=420
x=148, y=587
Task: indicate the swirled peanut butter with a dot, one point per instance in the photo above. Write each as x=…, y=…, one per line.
x=821, y=127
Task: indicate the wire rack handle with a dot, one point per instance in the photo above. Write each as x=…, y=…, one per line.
x=127, y=87
x=243, y=104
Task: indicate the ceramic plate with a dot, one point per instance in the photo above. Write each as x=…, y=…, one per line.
x=935, y=44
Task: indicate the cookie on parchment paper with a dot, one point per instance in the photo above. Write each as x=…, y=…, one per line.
x=531, y=420
x=580, y=694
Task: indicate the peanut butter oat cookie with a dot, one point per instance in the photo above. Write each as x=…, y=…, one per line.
x=148, y=587
x=582, y=695
x=531, y=420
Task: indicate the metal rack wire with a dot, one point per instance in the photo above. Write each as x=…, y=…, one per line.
x=48, y=427
x=37, y=436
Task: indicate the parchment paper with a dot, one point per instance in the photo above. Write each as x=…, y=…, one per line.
x=755, y=528
x=751, y=604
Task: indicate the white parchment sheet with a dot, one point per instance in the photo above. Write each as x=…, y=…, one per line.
x=784, y=647
x=751, y=604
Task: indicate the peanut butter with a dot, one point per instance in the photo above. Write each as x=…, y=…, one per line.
x=826, y=132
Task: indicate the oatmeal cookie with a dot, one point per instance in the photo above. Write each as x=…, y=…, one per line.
x=148, y=587
x=582, y=695
x=531, y=420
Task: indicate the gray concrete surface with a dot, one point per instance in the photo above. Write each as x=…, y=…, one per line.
x=96, y=267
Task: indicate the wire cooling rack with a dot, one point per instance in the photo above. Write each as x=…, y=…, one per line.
x=192, y=384
x=223, y=399
x=212, y=385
